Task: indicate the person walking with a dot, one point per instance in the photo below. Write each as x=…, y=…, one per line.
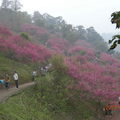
x=108, y=110
x=7, y=81
x=15, y=77
x=34, y=74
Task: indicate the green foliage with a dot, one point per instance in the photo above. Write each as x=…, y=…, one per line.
x=96, y=40
x=14, y=20
x=114, y=45
x=24, y=107
x=38, y=19
x=54, y=94
x=58, y=63
x=116, y=38
x=56, y=25
x=116, y=19
x=54, y=84
x=25, y=36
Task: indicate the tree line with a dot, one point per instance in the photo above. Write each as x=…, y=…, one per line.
x=14, y=18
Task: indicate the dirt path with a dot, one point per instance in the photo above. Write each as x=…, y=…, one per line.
x=116, y=116
x=6, y=93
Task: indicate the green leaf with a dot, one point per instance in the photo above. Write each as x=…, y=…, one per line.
x=119, y=41
x=110, y=41
x=113, y=46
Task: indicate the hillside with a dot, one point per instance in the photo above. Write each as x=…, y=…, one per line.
x=31, y=104
x=43, y=27
x=84, y=75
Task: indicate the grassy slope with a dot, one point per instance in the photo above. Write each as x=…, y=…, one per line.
x=26, y=107
x=9, y=66
x=32, y=105
x=48, y=100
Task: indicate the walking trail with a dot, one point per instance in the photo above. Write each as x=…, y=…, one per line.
x=6, y=93
x=115, y=116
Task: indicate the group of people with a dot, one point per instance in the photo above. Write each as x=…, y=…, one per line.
x=6, y=80
x=43, y=69
x=34, y=74
x=108, y=108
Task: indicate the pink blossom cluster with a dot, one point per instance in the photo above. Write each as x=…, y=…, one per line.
x=87, y=53
x=57, y=44
x=16, y=47
x=98, y=81
x=4, y=32
x=83, y=43
x=33, y=30
x=107, y=58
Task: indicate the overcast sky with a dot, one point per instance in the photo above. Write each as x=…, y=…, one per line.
x=88, y=13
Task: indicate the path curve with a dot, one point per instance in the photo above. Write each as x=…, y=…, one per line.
x=116, y=116
x=6, y=93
